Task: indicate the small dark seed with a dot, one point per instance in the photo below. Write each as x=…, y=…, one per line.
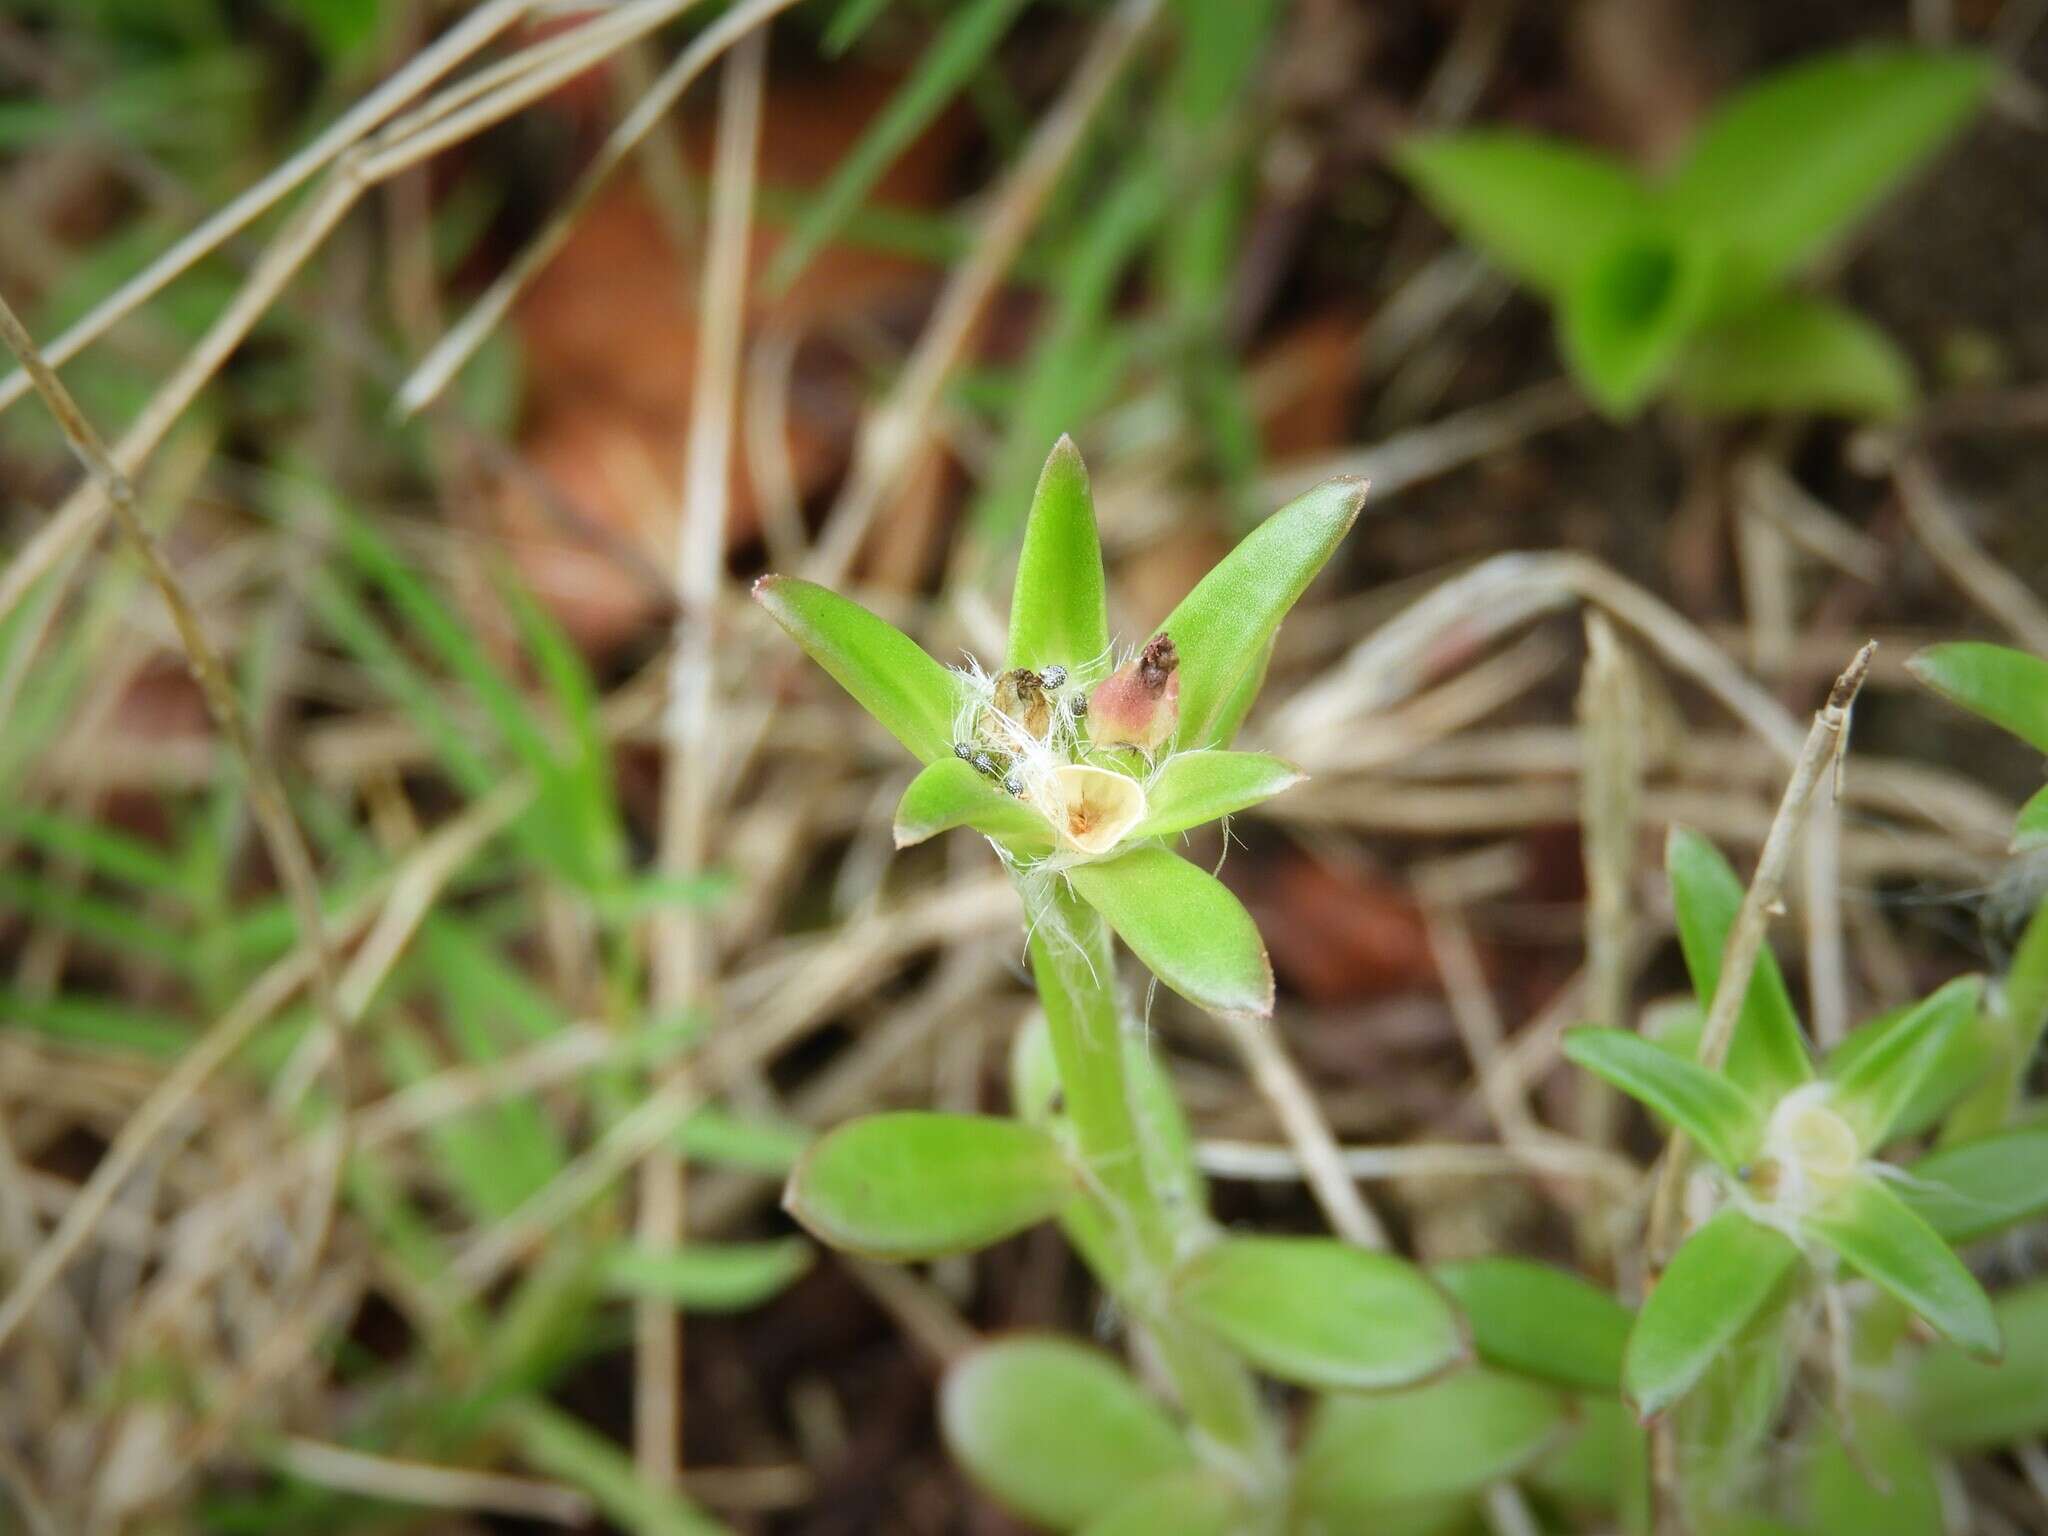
x=1081, y=706
x=963, y=751
x=1014, y=784
x=1054, y=677
x=985, y=764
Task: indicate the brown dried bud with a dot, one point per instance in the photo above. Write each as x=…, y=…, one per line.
x=1138, y=704
x=1020, y=697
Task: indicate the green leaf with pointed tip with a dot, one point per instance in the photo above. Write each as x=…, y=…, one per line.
x=1788, y=164
x=1907, y=1500
x=1194, y=1503
x=950, y=793
x=2031, y=831
x=1718, y=1281
x=1766, y=1055
x=1541, y=1321
x=1878, y=1237
x=1192, y=788
x=1975, y=1189
x=1184, y=924
x=1222, y=627
x=1059, y=613
x=1627, y=318
x=1057, y=1432
x=2007, y=687
x=1878, y=1077
x=887, y=672
x=1321, y=1313
x=1964, y=1404
x=1448, y=1437
x=1542, y=209
x=1795, y=353
x=708, y=1277
x=914, y=1185
x=1706, y=1106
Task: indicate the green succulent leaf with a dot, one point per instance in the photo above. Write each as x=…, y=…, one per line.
x=1626, y=319
x=914, y=1185
x=1184, y=925
x=1766, y=1055
x=2031, y=831
x=1321, y=1313
x=1787, y=165
x=887, y=672
x=1907, y=1502
x=1961, y=1403
x=1193, y=788
x=709, y=1277
x=1978, y=1188
x=1231, y=716
x=1193, y=1503
x=1541, y=208
x=1795, y=353
x=1367, y=1454
x=950, y=793
x=1057, y=1432
x=2007, y=687
x=1059, y=612
x=1723, y=1119
x=1720, y=1279
x=1603, y=1467
x=1879, y=1076
x=1221, y=628
x=1541, y=1321
x=1877, y=1236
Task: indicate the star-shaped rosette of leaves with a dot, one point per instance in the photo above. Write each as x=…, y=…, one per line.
x=1096, y=816
x=1793, y=1146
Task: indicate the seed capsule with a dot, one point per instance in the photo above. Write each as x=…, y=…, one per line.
x=1054, y=677
x=1138, y=705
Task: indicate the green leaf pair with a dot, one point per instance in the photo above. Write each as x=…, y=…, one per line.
x=1048, y=806
x=2010, y=689
x=1678, y=280
x=1795, y=1150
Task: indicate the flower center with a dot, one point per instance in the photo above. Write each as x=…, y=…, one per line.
x=1809, y=1150
x=1092, y=808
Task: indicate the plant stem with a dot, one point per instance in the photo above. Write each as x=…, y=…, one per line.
x=1075, y=968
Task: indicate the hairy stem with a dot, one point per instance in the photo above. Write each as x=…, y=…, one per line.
x=1074, y=966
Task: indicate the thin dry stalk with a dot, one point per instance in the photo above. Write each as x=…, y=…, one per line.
x=896, y=430
x=473, y=32
x=1301, y=1118
x=1824, y=742
x=684, y=964
x=1613, y=732
x=2001, y=595
x=418, y=1483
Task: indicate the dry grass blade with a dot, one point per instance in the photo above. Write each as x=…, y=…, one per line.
x=413, y=1482
x=1613, y=729
x=2002, y=596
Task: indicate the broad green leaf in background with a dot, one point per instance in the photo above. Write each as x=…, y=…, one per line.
x=1975, y=1189
x=1787, y=165
x=1767, y=1055
x=1794, y=353
x=1058, y=612
x=1192, y=788
x=1706, y=1106
x=2007, y=687
x=1625, y=319
x=1839, y=1498
x=1540, y=208
x=1875, y=1085
x=1541, y=1321
x=1193, y=1503
x=1321, y=1313
x=950, y=793
x=708, y=1277
x=1723, y=1425
x=1186, y=927
x=1601, y=1468
x=912, y=1185
x=1221, y=628
x=1882, y=1240
x=1961, y=1403
x=1720, y=1278
x=1454, y=1436
x=1057, y=1432
x=887, y=672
